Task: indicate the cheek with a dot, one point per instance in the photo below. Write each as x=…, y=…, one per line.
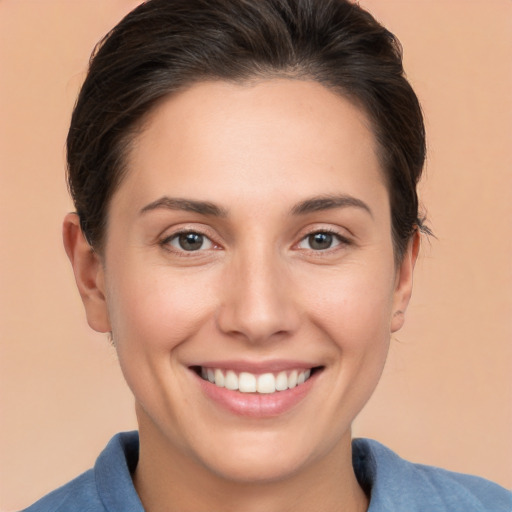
x=154, y=309
x=354, y=305
x=153, y=312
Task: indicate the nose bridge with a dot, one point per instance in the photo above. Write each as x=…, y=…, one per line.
x=258, y=299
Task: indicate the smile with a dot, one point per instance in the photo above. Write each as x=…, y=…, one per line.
x=246, y=382
x=256, y=390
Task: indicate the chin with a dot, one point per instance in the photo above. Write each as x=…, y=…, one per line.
x=262, y=468
x=265, y=458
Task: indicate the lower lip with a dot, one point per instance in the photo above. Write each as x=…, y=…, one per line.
x=257, y=405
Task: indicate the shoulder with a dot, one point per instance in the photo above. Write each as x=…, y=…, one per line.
x=398, y=485
x=78, y=495
x=106, y=487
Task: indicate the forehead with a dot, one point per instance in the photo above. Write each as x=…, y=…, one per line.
x=280, y=134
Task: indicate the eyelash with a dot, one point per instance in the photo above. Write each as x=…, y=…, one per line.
x=342, y=240
x=166, y=242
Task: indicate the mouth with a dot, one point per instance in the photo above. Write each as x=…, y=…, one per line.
x=256, y=390
x=256, y=383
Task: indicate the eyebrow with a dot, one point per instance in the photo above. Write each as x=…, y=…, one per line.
x=187, y=205
x=329, y=202
x=314, y=204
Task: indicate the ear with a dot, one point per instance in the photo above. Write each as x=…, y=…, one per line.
x=89, y=273
x=403, y=283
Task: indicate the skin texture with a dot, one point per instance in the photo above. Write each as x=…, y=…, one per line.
x=256, y=291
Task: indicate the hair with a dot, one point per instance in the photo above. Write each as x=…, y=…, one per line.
x=164, y=46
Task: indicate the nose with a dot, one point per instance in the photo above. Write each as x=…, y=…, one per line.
x=258, y=302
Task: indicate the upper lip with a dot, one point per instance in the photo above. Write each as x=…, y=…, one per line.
x=258, y=367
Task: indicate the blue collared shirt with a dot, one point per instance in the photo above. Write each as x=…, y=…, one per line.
x=393, y=484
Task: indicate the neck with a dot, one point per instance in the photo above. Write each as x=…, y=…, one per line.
x=168, y=479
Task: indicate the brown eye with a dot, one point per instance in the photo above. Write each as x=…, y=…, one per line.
x=320, y=241
x=190, y=241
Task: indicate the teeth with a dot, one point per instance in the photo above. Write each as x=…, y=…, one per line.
x=292, y=379
x=219, y=378
x=281, y=381
x=247, y=382
x=266, y=383
x=231, y=380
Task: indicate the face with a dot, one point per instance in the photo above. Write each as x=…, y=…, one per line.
x=249, y=246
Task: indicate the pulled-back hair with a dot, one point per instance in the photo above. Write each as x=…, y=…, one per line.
x=164, y=46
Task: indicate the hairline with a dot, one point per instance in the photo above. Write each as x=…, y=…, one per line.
x=128, y=140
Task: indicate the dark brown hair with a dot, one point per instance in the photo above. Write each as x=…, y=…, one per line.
x=166, y=45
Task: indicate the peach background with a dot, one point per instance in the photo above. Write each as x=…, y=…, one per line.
x=446, y=395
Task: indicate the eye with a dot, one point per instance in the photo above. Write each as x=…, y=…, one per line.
x=321, y=241
x=189, y=241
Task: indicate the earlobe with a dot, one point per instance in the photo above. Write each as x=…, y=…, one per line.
x=404, y=280
x=89, y=273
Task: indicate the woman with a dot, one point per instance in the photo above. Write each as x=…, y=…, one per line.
x=244, y=175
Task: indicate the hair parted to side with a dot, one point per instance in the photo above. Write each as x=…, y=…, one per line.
x=164, y=46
